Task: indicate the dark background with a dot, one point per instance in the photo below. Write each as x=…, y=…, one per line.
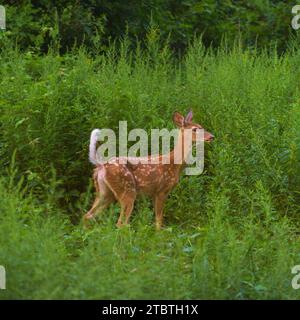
x=94, y=23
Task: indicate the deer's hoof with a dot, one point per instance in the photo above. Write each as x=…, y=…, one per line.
x=86, y=220
x=119, y=224
x=158, y=227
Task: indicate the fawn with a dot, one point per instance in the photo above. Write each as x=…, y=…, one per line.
x=115, y=181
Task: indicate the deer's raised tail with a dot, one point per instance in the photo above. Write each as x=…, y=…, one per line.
x=92, y=149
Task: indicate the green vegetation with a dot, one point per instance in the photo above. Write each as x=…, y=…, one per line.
x=230, y=233
x=37, y=24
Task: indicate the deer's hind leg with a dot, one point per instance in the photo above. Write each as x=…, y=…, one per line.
x=121, y=182
x=127, y=204
x=104, y=197
x=100, y=204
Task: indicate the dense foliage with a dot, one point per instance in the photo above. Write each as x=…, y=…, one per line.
x=37, y=24
x=230, y=233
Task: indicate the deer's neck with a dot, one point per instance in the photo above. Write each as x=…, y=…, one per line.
x=181, y=150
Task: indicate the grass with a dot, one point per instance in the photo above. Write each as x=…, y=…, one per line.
x=231, y=233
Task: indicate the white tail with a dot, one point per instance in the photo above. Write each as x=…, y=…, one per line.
x=93, y=152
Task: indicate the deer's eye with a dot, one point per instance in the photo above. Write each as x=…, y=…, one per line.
x=195, y=129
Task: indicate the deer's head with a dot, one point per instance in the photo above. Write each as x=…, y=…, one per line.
x=184, y=123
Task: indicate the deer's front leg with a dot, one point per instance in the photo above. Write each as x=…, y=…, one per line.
x=159, y=202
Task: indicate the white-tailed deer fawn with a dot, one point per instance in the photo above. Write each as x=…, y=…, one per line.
x=115, y=181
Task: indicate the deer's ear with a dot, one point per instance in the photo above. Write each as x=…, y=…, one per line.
x=189, y=116
x=178, y=119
